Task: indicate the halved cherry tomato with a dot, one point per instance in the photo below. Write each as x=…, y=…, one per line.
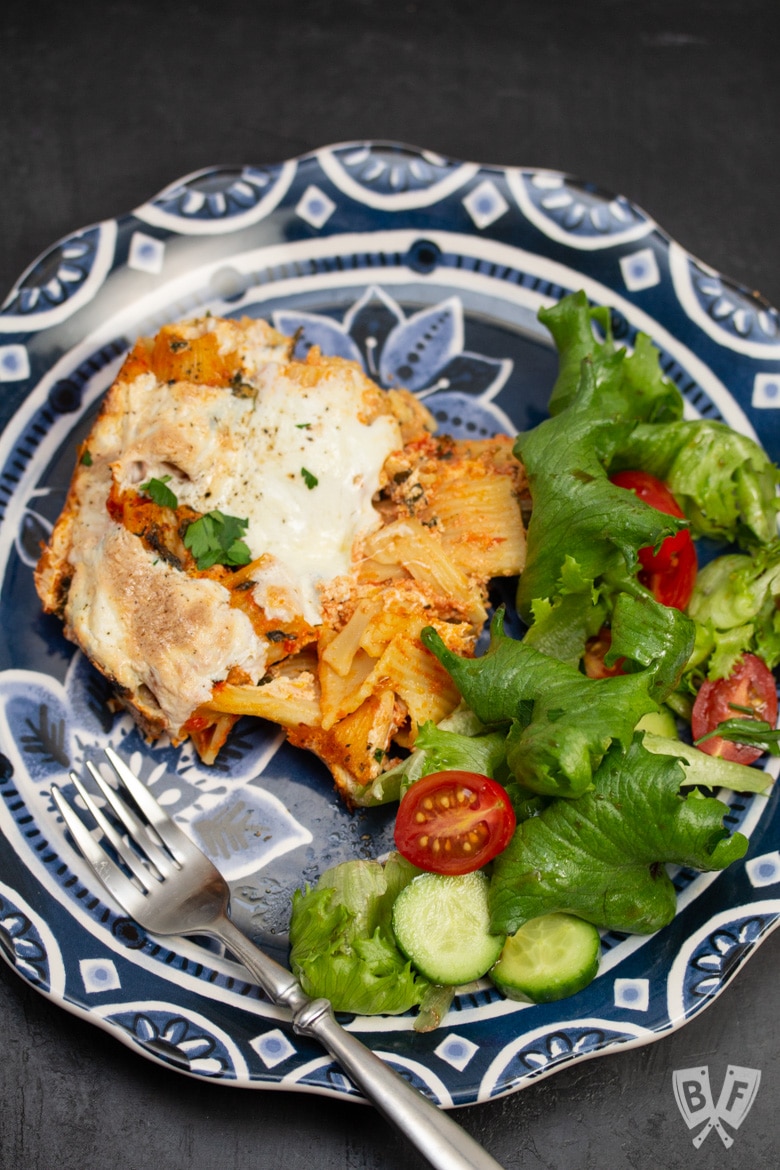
x=749, y=687
x=453, y=822
x=670, y=572
x=596, y=650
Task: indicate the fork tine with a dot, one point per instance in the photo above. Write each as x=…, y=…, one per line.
x=117, y=883
x=145, y=837
x=123, y=849
x=176, y=840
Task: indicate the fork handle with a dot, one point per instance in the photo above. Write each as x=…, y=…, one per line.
x=277, y=982
x=440, y=1139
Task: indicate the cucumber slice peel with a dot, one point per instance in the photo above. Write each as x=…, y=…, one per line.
x=442, y=924
x=549, y=958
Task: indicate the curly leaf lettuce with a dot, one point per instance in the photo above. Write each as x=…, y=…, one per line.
x=628, y=384
x=614, y=411
x=561, y=723
x=715, y=771
x=342, y=943
x=655, y=637
x=723, y=481
x=578, y=516
x=734, y=606
x=602, y=855
x=458, y=742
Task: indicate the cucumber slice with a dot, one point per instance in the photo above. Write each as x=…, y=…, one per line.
x=548, y=958
x=442, y=925
x=661, y=722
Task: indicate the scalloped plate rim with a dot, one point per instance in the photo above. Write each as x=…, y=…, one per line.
x=755, y=297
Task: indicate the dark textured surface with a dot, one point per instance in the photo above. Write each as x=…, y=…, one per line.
x=674, y=106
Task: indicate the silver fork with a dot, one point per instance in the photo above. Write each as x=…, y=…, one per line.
x=175, y=889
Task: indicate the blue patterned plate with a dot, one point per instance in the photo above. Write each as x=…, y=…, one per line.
x=429, y=272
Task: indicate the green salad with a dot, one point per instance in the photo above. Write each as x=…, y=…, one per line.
x=583, y=757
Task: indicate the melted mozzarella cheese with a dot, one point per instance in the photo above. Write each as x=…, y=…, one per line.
x=318, y=468
x=296, y=461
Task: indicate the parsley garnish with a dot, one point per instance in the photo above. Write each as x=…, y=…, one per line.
x=310, y=480
x=86, y=457
x=159, y=492
x=215, y=539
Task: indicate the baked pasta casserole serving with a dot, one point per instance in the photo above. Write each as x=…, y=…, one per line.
x=248, y=533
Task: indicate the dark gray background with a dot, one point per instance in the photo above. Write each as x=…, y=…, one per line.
x=673, y=105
